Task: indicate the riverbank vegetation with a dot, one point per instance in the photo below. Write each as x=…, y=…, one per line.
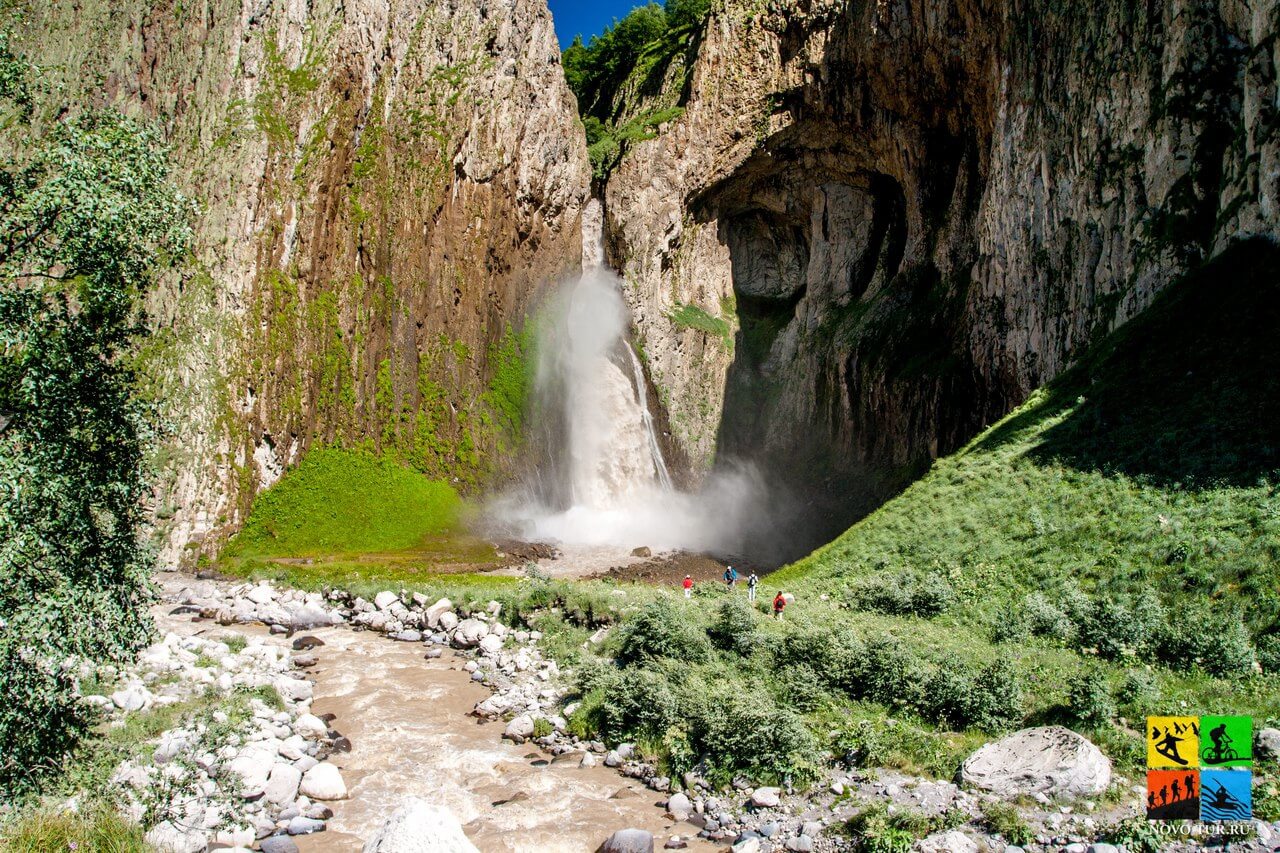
x=88, y=217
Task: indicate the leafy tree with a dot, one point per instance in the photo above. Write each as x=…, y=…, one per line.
x=86, y=217
x=686, y=13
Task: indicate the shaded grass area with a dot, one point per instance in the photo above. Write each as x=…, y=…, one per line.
x=1149, y=475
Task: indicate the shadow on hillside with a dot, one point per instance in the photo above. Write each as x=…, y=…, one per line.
x=1188, y=393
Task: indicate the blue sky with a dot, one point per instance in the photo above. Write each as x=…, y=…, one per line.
x=587, y=17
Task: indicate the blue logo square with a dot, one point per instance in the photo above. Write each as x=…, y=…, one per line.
x=1226, y=795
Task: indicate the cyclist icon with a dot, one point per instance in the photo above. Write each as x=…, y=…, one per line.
x=1221, y=751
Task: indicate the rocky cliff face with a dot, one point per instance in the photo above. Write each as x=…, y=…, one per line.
x=385, y=186
x=878, y=226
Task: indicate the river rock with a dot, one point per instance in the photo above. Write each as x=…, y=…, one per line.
x=469, y=633
x=419, y=827
x=170, y=839
x=304, y=826
x=282, y=784
x=435, y=611
x=491, y=644
x=293, y=689
x=278, y=844
x=132, y=699
x=1268, y=743
x=766, y=798
x=261, y=594
x=1049, y=760
x=310, y=726
x=628, y=841
x=448, y=621
x=307, y=643
x=612, y=758
x=385, y=599
x=323, y=782
x=952, y=841
x=407, y=636
x=679, y=807
x=804, y=844
x=519, y=729
x=253, y=766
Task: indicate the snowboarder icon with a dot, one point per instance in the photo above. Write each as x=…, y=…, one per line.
x=1221, y=751
x=1167, y=745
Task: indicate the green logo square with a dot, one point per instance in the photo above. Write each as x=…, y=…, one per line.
x=1226, y=741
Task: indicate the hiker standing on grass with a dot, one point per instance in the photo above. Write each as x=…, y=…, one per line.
x=688, y=586
x=730, y=576
x=779, y=602
x=752, y=580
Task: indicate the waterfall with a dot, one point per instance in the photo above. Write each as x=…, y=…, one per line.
x=601, y=479
x=655, y=449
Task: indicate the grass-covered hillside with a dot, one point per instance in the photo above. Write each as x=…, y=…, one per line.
x=1131, y=508
x=342, y=515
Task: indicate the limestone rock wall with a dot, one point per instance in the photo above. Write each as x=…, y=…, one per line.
x=385, y=186
x=878, y=226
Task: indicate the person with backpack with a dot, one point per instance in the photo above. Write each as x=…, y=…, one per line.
x=752, y=581
x=779, y=602
x=688, y=586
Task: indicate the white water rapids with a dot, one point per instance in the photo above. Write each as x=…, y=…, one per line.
x=606, y=482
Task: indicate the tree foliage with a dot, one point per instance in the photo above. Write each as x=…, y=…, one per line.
x=87, y=215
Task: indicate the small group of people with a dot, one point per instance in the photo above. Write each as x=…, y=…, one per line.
x=753, y=581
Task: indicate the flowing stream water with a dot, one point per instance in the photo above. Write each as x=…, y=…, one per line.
x=407, y=719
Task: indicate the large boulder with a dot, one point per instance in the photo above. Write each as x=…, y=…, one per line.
x=419, y=827
x=628, y=841
x=766, y=798
x=385, y=599
x=470, y=632
x=323, y=782
x=1049, y=760
x=282, y=784
x=435, y=611
x=1267, y=744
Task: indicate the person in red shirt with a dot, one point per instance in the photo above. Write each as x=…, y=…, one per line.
x=688, y=586
x=779, y=602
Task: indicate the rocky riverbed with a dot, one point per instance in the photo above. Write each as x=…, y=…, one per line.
x=406, y=724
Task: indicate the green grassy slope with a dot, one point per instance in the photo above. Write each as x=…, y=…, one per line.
x=1143, y=485
x=347, y=502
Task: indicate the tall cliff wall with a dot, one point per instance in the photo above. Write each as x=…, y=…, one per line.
x=878, y=226
x=385, y=185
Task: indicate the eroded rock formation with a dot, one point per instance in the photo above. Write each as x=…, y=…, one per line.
x=878, y=226
x=385, y=185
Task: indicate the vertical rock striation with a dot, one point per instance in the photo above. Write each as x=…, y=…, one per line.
x=385, y=185
x=878, y=226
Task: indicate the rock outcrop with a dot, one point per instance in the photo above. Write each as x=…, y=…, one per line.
x=878, y=226
x=1049, y=760
x=385, y=186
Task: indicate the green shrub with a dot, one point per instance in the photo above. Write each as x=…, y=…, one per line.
x=663, y=630
x=1138, y=688
x=1006, y=821
x=1044, y=619
x=542, y=727
x=890, y=673
x=742, y=731
x=734, y=627
x=636, y=703
x=997, y=697
x=1217, y=643
x=906, y=593
x=834, y=656
x=874, y=830
x=1269, y=652
x=1089, y=698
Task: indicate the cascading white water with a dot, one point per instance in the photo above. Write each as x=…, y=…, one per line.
x=616, y=489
